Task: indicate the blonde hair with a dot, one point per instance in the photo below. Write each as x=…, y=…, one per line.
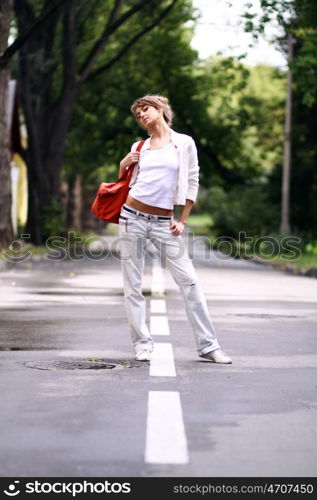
x=158, y=102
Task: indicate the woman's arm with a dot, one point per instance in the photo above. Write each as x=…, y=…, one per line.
x=185, y=211
x=177, y=226
x=129, y=159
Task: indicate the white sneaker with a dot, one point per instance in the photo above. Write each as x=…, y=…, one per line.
x=217, y=356
x=143, y=355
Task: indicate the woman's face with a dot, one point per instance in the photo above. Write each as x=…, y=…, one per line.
x=147, y=115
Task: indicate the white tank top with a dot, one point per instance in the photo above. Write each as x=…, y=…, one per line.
x=156, y=182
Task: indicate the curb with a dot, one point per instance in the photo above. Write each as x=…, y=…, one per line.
x=288, y=268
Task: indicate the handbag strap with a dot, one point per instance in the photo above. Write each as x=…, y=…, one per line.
x=140, y=145
x=127, y=174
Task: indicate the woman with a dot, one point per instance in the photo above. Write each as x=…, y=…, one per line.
x=167, y=174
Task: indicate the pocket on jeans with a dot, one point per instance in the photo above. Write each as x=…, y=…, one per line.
x=126, y=224
x=123, y=226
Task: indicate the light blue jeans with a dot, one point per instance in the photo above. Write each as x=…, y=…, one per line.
x=135, y=231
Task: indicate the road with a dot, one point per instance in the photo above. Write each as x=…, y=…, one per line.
x=181, y=416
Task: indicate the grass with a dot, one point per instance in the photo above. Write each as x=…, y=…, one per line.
x=305, y=261
x=200, y=220
x=72, y=240
x=200, y=224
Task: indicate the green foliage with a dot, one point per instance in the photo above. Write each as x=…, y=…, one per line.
x=103, y=128
x=298, y=18
x=305, y=64
x=52, y=218
x=311, y=248
x=250, y=102
x=243, y=141
x=243, y=209
x=235, y=113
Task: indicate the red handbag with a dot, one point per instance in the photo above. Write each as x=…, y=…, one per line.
x=112, y=195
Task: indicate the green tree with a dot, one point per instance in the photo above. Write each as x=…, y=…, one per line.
x=235, y=114
x=6, y=55
x=298, y=17
x=249, y=103
x=81, y=41
x=227, y=107
x=103, y=127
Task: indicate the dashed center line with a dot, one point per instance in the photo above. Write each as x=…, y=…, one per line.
x=158, y=282
x=165, y=437
x=165, y=432
x=159, y=325
x=158, y=306
x=162, y=361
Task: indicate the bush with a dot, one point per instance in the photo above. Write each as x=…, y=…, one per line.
x=243, y=209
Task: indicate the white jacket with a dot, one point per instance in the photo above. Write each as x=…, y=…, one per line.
x=188, y=177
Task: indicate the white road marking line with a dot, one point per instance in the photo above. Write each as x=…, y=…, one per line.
x=159, y=325
x=162, y=361
x=158, y=306
x=165, y=433
x=158, y=281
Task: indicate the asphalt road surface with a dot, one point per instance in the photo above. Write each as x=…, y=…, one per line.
x=179, y=415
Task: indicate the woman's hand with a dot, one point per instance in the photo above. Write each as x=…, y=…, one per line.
x=177, y=227
x=128, y=160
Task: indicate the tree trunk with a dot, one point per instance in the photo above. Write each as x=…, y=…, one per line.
x=45, y=160
x=75, y=203
x=6, y=231
x=47, y=119
x=285, y=215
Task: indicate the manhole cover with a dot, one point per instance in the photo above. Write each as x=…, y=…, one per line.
x=84, y=364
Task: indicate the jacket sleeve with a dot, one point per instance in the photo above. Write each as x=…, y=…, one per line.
x=193, y=171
